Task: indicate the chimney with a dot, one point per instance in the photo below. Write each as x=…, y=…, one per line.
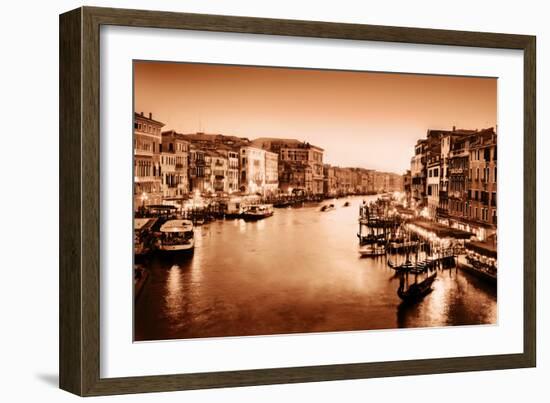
x=454, y=128
x=141, y=113
x=150, y=115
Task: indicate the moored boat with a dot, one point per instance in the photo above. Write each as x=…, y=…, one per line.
x=401, y=268
x=416, y=291
x=372, y=250
x=176, y=235
x=480, y=266
x=257, y=211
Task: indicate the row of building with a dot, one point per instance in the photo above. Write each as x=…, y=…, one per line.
x=453, y=179
x=168, y=166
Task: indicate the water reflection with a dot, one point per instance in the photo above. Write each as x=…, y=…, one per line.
x=298, y=271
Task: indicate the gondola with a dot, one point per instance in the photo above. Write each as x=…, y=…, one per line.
x=415, y=292
x=401, y=268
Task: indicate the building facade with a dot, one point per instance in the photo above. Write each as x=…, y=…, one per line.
x=482, y=183
x=300, y=163
x=433, y=185
x=252, y=165
x=216, y=172
x=198, y=170
x=418, y=174
x=330, y=186
x=147, y=170
x=460, y=180
x=174, y=155
x=271, y=185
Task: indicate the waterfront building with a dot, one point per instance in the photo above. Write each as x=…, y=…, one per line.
x=482, y=181
x=433, y=168
x=343, y=181
x=418, y=173
x=216, y=172
x=370, y=184
x=224, y=145
x=458, y=181
x=174, y=155
x=447, y=141
x=307, y=162
x=355, y=179
x=147, y=171
x=295, y=176
x=361, y=180
x=395, y=182
x=330, y=187
x=381, y=182
x=252, y=166
x=271, y=185
x=198, y=171
x=442, y=212
x=232, y=170
x=366, y=185
x=458, y=169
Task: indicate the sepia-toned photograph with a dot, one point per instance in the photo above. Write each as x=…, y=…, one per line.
x=274, y=200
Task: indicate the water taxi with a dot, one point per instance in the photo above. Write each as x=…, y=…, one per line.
x=257, y=211
x=176, y=235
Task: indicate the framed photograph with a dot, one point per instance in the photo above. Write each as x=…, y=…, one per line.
x=250, y=201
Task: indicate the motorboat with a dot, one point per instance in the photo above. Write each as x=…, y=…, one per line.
x=176, y=235
x=257, y=211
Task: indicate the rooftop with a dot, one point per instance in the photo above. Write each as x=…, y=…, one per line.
x=148, y=119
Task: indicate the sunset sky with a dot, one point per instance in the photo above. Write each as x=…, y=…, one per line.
x=361, y=119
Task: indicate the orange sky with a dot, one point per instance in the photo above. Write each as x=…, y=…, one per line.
x=362, y=119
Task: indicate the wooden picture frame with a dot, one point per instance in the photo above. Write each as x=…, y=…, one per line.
x=80, y=199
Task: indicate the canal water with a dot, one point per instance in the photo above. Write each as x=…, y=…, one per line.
x=295, y=272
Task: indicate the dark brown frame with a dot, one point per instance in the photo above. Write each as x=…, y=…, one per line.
x=79, y=201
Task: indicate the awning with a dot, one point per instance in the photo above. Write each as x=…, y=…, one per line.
x=442, y=231
x=483, y=248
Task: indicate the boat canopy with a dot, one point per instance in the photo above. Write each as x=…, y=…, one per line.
x=441, y=231
x=483, y=248
x=177, y=226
